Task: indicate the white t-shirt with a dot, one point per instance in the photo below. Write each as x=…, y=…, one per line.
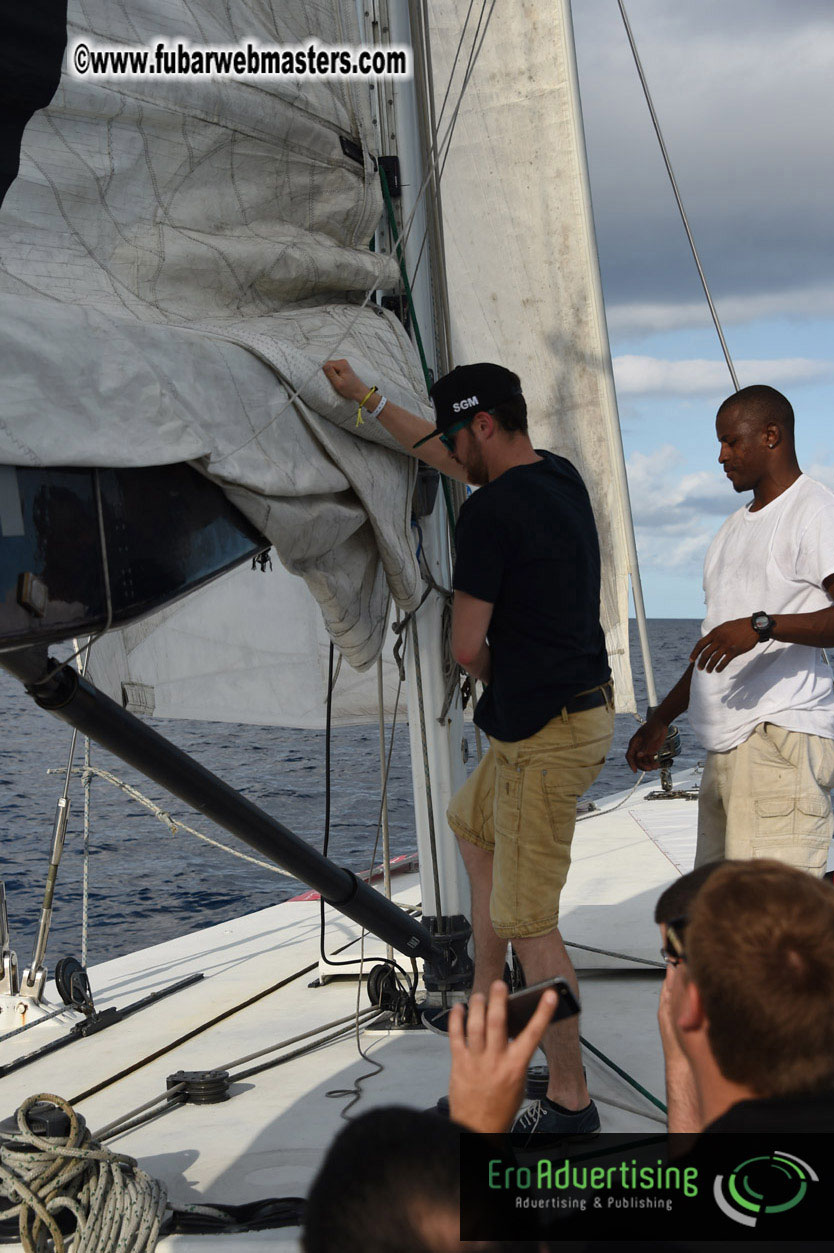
x=774, y=559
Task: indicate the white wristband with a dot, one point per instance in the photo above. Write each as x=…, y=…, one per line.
x=374, y=413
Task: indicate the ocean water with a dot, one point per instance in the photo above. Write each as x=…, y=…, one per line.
x=147, y=885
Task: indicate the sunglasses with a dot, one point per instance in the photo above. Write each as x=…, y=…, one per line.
x=673, y=953
x=447, y=439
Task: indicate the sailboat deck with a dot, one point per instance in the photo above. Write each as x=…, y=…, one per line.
x=269, y=1138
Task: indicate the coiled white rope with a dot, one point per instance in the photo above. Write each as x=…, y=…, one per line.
x=117, y=1207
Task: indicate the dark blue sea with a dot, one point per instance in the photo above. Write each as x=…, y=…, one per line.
x=147, y=885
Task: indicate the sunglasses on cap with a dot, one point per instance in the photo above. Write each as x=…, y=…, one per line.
x=673, y=952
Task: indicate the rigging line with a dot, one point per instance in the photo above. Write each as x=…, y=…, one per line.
x=355, y=1091
x=204, y=1026
x=131, y=1113
x=335, y=1036
x=454, y=62
x=673, y=181
x=85, y=873
x=370, y=1011
x=58, y=841
x=629, y=1109
x=352, y=962
x=622, y=1073
x=607, y=952
x=433, y=152
x=190, y=1035
x=598, y=813
x=418, y=674
x=165, y=818
x=29, y=1026
x=443, y=145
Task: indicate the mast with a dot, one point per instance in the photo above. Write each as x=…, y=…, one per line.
x=437, y=747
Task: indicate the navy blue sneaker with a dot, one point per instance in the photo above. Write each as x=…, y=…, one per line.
x=543, y=1119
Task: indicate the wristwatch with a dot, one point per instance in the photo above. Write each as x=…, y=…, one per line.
x=763, y=625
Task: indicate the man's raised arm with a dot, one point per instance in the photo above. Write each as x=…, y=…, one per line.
x=407, y=428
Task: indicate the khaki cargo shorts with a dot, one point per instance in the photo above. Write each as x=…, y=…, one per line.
x=520, y=804
x=769, y=797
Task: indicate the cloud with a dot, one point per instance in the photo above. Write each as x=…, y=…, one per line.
x=744, y=94
x=649, y=317
x=675, y=515
x=636, y=375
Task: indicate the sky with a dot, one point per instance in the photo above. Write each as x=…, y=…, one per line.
x=744, y=91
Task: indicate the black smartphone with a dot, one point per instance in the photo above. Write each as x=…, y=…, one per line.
x=522, y=1005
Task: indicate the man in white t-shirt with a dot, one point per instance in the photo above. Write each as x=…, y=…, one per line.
x=758, y=690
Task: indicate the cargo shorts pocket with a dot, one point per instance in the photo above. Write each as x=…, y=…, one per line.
x=774, y=816
x=814, y=815
x=794, y=830
x=508, y=788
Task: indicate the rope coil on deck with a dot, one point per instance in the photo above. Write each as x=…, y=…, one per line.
x=115, y=1204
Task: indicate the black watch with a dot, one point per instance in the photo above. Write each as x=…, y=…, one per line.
x=763, y=625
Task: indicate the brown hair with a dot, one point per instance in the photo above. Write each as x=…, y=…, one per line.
x=760, y=949
x=511, y=415
x=675, y=902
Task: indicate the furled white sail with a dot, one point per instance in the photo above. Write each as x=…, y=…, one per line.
x=177, y=259
x=521, y=259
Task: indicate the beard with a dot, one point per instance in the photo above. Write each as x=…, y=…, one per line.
x=475, y=467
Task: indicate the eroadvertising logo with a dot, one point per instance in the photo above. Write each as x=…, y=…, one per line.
x=741, y=1186
x=769, y=1184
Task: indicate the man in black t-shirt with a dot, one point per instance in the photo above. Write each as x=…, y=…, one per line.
x=525, y=623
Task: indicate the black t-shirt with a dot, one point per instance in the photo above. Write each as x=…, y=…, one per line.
x=527, y=543
x=812, y=1111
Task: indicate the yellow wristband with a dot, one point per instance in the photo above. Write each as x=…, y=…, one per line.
x=359, y=421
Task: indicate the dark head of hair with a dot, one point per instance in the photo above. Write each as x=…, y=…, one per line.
x=511, y=415
x=382, y=1175
x=763, y=405
x=675, y=902
x=760, y=949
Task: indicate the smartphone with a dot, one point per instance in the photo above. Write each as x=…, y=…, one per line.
x=522, y=1005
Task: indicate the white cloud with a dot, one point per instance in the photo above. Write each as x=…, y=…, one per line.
x=649, y=317
x=636, y=375
x=675, y=515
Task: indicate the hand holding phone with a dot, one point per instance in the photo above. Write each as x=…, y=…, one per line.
x=488, y=1068
x=522, y=1005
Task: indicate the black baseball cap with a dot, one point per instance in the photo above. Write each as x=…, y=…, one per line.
x=467, y=390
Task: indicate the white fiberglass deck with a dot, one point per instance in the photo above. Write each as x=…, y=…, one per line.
x=269, y=1138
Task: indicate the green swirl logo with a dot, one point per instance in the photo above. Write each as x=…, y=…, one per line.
x=763, y=1185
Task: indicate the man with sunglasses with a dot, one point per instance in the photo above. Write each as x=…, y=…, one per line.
x=525, y=623
x=746, y=1011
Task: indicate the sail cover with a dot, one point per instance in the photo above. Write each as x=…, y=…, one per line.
x=521, y=257
x=177, y=259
